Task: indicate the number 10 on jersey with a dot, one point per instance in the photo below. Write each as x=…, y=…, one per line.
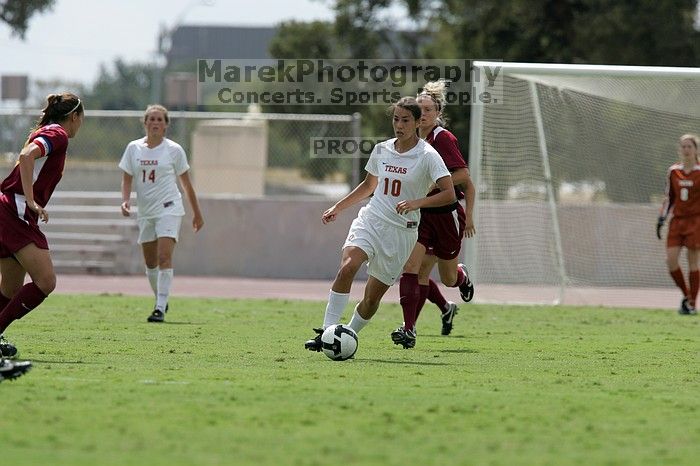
x=395, y=187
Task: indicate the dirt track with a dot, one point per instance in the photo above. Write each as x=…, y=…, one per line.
x=317, y=290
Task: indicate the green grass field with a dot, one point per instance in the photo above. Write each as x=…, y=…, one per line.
x=228, y=382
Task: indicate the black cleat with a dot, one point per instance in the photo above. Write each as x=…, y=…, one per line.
x=12, y=369
x=466, y=289
x=156, y=316
x=7, y=349
x=685, y=308
x=405, y=338
x=447, y=317
x=315, y=343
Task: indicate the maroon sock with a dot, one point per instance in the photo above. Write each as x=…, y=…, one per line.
x=26, y=299
x=3, y=301
x=424, y=289
x=435, y=297
x=694, y=278
x=461, y=277
x=409, y=292
x=677, y=276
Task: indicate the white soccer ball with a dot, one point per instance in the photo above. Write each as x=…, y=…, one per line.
x=339, y=342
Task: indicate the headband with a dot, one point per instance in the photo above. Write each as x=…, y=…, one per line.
x=73, y=109
x=439, y=107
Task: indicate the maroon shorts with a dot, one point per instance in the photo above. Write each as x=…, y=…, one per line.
x=684, y=231
x=15, y=232
x=441, y=232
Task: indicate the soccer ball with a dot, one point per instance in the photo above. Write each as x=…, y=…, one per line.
x=339, y=342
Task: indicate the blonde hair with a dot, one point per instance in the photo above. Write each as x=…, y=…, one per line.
x=158, y=108
x=435, y=90
x=694, y=139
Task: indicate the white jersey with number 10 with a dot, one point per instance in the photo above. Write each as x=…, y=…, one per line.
x=402, y=176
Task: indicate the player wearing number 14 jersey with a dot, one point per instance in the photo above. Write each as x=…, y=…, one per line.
x=154, y=164
x=683, y=203
x=399, y=173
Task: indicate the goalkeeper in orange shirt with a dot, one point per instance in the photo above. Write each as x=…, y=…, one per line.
x=682, y=201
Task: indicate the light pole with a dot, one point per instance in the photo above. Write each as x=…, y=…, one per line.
x=165, y=35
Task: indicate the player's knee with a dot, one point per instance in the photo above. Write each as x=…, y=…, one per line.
x=347, y=271
x=46, y=283
x=165, y=261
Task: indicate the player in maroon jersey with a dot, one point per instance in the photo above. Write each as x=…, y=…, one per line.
x=25, y=193
x=441, y=229
x=683, y=202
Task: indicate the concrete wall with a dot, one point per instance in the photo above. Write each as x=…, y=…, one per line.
x=263, y=237
x=604, y=245
x=230, y=156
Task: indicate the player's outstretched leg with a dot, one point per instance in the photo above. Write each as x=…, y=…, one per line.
x=12, y=369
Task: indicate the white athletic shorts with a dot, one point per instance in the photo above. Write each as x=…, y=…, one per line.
x=387, y=246
x=166, y=226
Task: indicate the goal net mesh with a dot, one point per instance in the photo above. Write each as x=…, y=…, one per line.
x=608, y=141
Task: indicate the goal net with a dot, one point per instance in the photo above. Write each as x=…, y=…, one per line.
x=570, y=169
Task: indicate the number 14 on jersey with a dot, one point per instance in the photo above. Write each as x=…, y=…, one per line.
x=151, y=176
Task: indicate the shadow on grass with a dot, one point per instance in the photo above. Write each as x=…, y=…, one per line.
x=170, y=322
x=413, y=363
x=470, y=351
x=46, y=361
x=441, y=336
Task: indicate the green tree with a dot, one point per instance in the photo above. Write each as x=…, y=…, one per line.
x=122, y=86
x=16, y=13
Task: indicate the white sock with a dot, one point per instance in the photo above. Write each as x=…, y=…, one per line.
x=165, y=279
x=335, y=307
x=152, y=275
x=357, y=323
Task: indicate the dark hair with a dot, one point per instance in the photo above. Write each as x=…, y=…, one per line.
x=410, y=104
x=58, y=108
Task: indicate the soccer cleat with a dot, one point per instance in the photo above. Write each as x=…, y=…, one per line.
x=466, y=289
x=7, y=349
x=447, y=317
x=315, y=343
x=685, y=308
x=405, y=338
x=691, y=310
x=12, y=369
x=156, y=316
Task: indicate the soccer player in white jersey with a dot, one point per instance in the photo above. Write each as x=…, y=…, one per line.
x=153, y=164
x=399, y=173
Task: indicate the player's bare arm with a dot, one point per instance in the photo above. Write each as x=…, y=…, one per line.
x=26, y=168
x=126, y=194
x=469, y=196
x=362, y=191
x=444, y=197
x=197, y=218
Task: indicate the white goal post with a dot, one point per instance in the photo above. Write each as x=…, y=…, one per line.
x=570, y=168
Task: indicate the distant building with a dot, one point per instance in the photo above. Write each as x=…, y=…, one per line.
x=189, y=43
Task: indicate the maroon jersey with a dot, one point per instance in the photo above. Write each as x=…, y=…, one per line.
x=445, y=143
x=682, y=191
x=48, y=169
